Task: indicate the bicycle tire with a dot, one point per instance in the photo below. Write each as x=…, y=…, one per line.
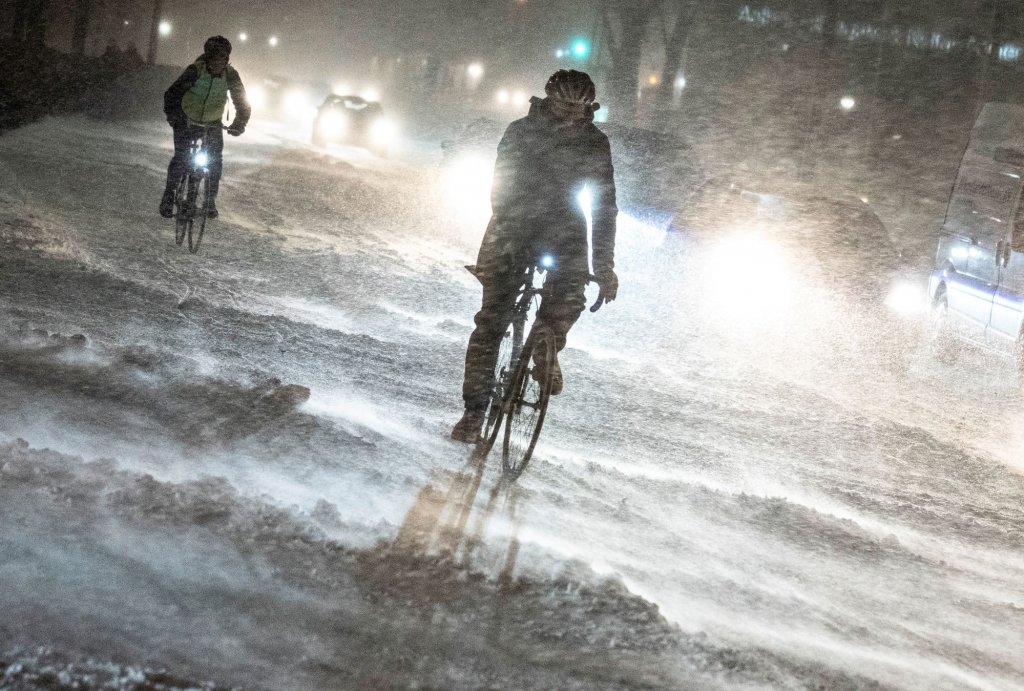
x=504, y=370
x=200, y=210
x=528, y=405
x=181, y=215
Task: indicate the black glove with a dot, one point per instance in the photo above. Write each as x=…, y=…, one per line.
x=177, y=121
x=235, y=130
x=609, y=284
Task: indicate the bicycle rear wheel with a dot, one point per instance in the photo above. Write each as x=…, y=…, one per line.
x=182, y=214
x=528, y=405
x=201, y=207
x=504, y=369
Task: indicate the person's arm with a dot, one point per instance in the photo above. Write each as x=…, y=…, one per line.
x=172, y=97
x=242, y=108
x=604, y=210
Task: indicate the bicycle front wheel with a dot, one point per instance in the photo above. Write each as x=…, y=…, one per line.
x=504, y=370
x=201, y=206
x=528, y=402
x=182, y=213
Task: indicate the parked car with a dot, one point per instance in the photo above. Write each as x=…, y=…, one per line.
x=354, y=121
x=977, y=285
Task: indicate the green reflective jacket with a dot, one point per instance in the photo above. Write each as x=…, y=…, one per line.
x=201, y=97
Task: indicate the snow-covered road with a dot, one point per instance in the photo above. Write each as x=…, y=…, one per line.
x=710, y=505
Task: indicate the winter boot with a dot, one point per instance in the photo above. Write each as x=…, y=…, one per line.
x=467, y=430
x=167, y=204
x=211, y=208
x=556, y=374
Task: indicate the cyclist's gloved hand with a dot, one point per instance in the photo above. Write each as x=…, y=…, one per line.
x=177, y=121
x=609, y=284
x=235, y=130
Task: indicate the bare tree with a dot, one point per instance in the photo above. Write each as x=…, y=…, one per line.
x=678, y=18
x=83, y=12
x=625, y=29
x=31, y=18
x=154, y=32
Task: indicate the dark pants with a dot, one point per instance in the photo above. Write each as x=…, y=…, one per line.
x=179, y=165
x=559, y=310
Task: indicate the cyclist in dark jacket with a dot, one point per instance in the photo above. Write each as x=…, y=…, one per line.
x=199, y=96
x=544, y=161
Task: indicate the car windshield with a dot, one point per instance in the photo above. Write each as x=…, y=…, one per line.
x=731, y=395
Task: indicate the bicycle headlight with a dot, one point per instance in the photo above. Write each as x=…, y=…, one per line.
x=202, y=159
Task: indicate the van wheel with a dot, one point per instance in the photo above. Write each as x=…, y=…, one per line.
x=943, y=344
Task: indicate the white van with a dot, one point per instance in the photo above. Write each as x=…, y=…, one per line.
x=977, y=286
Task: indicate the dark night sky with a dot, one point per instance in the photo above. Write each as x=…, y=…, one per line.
x=330, y=40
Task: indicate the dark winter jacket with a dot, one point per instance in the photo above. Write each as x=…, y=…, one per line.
x=199, y=96
x=542, y=166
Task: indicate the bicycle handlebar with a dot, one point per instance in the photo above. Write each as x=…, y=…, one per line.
x=206, y=125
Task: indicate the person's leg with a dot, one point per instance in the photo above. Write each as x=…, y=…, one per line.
x=175, y=169
x=482, y=352
x=215, y=149
x=561, y=307
x=492, y=320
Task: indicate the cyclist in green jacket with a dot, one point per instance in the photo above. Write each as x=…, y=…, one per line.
x=198, y=97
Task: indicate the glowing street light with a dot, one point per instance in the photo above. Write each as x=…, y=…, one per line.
x=503, y=96
x=847, y=102
x=165, y=28
x=580, y=48
x=243, y=37
x=475, y=70
x=653, y=80
x=272, y=41
x=559, y=53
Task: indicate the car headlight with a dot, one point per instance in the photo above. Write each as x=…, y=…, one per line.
x=467, y=186
x=333, y=124
x=201, y=159
x=748, y=278
x=383, y=131
x=906, y=298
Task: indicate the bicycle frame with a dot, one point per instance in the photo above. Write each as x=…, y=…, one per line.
x=504, y=402
x=194, y=183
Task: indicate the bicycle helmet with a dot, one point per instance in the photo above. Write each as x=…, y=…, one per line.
x=571, y=86
x=217, y=45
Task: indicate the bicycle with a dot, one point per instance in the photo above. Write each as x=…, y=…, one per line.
x=521, y=390
x=192, y=193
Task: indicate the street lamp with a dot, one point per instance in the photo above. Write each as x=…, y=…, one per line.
x=272, y=41
x=847, y=102
x=165, y=28
x=243, y=37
